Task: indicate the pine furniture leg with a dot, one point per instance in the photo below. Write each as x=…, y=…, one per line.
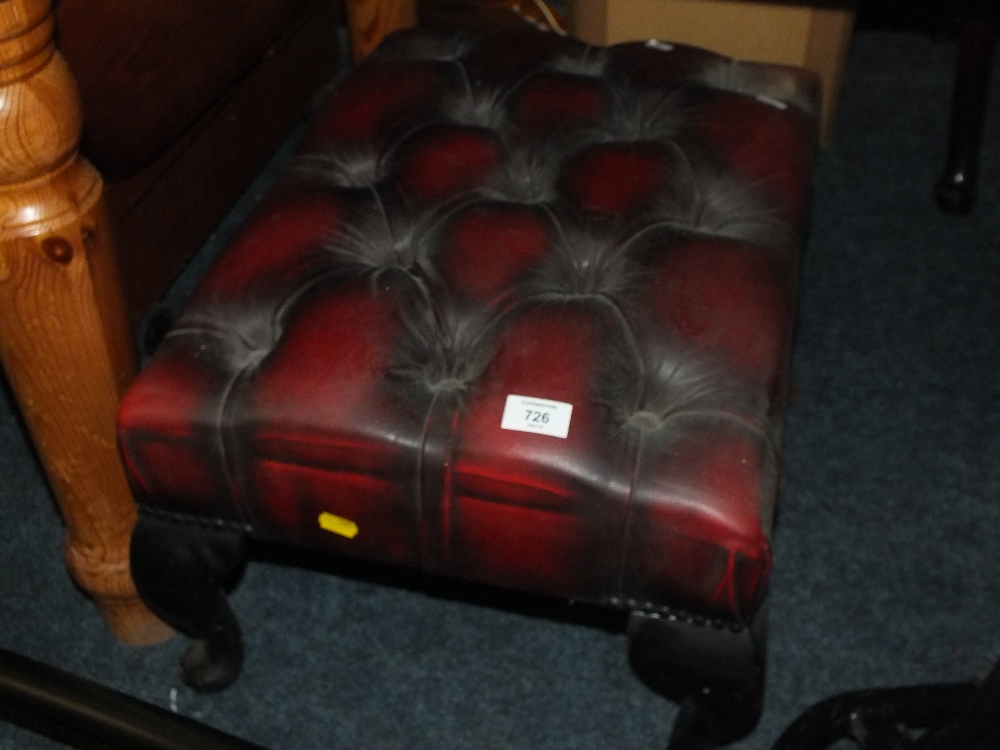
x=64, y=342
x=371, y=20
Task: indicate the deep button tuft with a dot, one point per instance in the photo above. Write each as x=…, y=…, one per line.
x=687, y=385
x=357, y=167
x=586, y=61
x=444, y=348
x=476, y=105
x=761, y=82
x=643, y=115
x=242, y=336
x=380, y=239
x=702, y=199
x=646, y=421
x=586, y=261
x=528, y=175
x=449, y=384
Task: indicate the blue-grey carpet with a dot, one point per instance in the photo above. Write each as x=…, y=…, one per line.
x=887, y=553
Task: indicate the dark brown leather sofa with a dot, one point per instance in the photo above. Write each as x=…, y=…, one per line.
x=183, y=101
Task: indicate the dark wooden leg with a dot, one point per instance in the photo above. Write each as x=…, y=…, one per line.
x=956, y=190
x=64, y=341
x=181, y=570
x=716, y=674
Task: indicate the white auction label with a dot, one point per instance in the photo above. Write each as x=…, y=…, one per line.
x=541, y=415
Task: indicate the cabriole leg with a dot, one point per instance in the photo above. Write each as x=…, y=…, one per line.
x=181, y=570
x=716, y=674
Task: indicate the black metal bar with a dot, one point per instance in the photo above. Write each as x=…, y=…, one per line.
x=84, y=714
x=956, y=190
x=853, y=715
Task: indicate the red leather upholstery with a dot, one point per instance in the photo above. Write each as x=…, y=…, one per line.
x=518, y=214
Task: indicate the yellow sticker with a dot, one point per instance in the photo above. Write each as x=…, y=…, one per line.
x=338, y=525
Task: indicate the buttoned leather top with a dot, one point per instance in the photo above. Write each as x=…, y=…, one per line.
x=609, y=234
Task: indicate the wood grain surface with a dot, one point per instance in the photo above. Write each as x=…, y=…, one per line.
x=63, y=338
x=371, y=20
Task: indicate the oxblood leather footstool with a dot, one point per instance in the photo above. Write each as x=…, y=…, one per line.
x=519, y=313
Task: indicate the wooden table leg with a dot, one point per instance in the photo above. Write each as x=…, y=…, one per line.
x=64, y=342
x=371, y=20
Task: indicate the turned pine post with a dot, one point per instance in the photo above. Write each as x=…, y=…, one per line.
x=371, y=20
x=64, y=342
